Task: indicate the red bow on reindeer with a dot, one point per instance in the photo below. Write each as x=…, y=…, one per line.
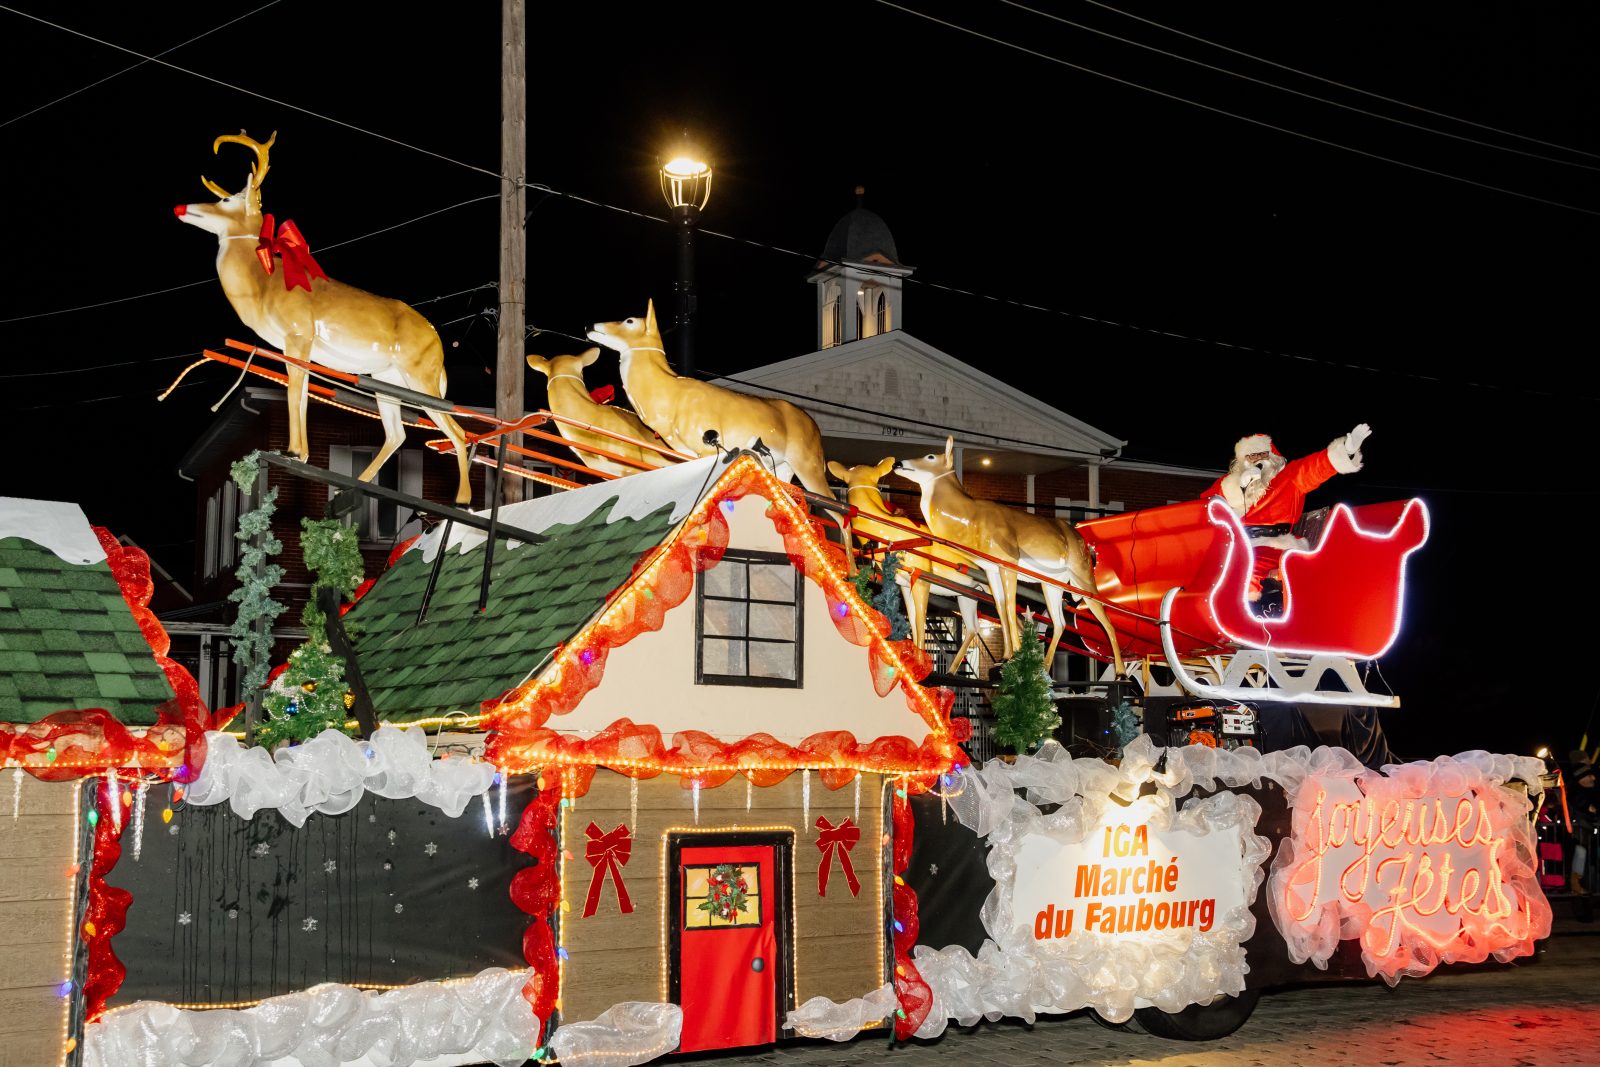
x=298, y=266
x=608, y=853
x=837, y=841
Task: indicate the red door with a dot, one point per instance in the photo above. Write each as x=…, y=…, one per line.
x=728, y=959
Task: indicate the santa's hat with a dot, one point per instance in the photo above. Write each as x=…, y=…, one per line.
x=1249, y=446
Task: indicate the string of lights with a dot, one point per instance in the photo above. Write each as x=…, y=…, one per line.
x=1236, y=115
x=1340, y=84
x=1297, y=92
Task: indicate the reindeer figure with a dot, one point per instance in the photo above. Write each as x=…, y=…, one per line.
x=686, y=412
x=946, y=563
x=569, y=397
x=1038, y=542
x=311, y=317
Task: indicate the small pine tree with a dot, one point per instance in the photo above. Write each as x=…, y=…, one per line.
x=890, y=602
x=311, y=695
x=1024, y=710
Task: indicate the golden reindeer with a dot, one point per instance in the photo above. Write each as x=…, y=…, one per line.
x=946, y=563
x=1041, y=543
x=569, y=397
x=313, y=318
x=686, y=412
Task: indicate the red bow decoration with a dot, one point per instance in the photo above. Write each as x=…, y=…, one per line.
x=608, y=853
x=829, y=841
x=298, y=266
x=602, y=394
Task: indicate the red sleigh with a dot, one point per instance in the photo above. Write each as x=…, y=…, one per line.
x=1182, y=572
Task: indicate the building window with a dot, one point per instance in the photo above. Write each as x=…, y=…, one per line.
x=748, y=622
x=700, y=913
x=832, y=323
x=381, y=520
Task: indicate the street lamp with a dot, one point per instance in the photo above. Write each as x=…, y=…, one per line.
x=686, y=184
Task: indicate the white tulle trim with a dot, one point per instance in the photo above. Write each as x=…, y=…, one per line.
x=622, y=1035
x=1018, y=977
x=330, y=772
x=484, y=1018
x=821, y=1017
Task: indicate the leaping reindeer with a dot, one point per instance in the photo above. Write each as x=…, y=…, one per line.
x=1041, y=543
x=313, y=318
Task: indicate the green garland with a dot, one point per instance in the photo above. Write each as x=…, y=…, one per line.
x=1024, y=708
x=257, y=577
x=890, y=602
x=1124, y=726
x=311, y=695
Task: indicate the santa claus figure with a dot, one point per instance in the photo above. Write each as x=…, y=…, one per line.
x=1268, y=493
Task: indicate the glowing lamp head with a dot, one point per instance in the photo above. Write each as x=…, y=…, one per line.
x=686, y=182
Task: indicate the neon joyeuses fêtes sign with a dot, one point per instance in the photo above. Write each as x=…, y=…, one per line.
x=1433, y=865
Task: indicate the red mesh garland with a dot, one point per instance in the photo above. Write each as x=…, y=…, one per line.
x=536, y=889
x=522, y=737
x=107, y=909
x=915, y=996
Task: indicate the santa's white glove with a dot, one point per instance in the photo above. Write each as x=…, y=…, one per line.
x=1345, y=452
x=1249, y=476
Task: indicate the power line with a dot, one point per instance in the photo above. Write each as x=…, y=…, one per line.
x=136, y=66
x=75, y=401
x=538, y=187
x=102, y=366
x=1287, y=89
x=260, y=96
x=1235, y=115
x=1339, y=84
x=212, y=280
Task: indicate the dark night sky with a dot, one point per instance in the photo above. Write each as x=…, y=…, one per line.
x=1456, y=320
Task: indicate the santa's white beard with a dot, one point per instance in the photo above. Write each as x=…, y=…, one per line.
x=1268, y=470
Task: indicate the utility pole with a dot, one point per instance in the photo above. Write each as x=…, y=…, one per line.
x=509, y=363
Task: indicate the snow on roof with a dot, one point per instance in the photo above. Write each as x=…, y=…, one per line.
x=61, y=527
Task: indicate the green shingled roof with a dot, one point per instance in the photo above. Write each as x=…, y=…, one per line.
x=539, y=596
x=68, y=640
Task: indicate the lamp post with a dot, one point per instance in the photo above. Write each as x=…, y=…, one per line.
x=686, y=184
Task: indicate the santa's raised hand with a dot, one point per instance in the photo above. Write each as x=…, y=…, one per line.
x=1346, y=451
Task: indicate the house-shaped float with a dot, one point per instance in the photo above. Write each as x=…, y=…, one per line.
x=723, y=740
x=86, y=690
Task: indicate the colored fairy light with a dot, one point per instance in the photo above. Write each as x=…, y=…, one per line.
x=562, y=952
x=841, y=609
x=94, y=817
x=898, y=928
x=64, y=989
x=587, y=655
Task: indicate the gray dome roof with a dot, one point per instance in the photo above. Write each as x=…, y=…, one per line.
x=861, y=237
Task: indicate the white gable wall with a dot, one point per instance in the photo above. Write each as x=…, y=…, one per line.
x=651, y=679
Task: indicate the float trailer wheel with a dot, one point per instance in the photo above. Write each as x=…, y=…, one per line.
x=1200, y=1022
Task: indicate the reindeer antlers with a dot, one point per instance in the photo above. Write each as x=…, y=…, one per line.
x=258, y=171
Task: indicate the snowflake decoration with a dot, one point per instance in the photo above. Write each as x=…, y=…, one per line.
x=392, y=835
x=933, y=868
x=233, y=913
x=173, y=829
x=430, y=848
x=308, y=925
x=398, y=908
x=504, y=830
x=372, y=818
x=388, y=866
x=185, y=919
x=262, y=849
x=330, y=867
x=472, y=883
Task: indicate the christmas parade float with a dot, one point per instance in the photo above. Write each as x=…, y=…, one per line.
x=654, y=763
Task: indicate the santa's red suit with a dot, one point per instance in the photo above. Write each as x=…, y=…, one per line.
x=1269, y=494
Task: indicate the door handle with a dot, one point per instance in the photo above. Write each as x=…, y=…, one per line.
x=758, y=965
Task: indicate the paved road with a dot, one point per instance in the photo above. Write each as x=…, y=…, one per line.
x=1540, y=1014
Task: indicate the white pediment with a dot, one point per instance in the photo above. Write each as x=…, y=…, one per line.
x=895, y=385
